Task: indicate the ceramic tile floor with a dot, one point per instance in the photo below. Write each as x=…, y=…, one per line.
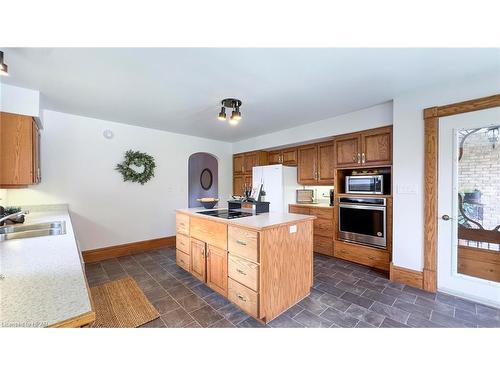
x=344, y=295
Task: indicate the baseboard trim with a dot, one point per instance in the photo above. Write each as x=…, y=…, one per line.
x=407, y=276
x=96, y=255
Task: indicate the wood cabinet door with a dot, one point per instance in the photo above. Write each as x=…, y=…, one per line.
x=217, y=269
x=289, y=157
x=347, y=151
x=36, y=153
x=238, y=182
x=198, y=264
x=248, y=179
x=251, y=160
x=238, y=161
x=307, y=164
x=326, y=163
x=274, y=157
x=16, y=150
x=299, y=210
x=377, y=147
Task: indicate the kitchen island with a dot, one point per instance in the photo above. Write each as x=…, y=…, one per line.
x=262, y=263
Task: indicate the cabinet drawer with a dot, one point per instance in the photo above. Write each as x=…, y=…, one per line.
x=182, y=243
x=322, y=213
x=299, y=210
x=323, y=245
x=244, y=271
x=244, y=243
x=209, y=231
x=362, y=254
x=182, y=224
x=244, y=297
x=183, y=260
x=323, y=227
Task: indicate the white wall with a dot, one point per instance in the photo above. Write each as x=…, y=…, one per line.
x=408, y=155
x=78, y=169
x=379, y=115
x=19, y=100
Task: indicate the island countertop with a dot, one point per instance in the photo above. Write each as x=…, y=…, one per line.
x=256, y=222
x=43, y=281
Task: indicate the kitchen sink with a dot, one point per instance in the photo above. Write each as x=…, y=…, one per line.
x=11, y=232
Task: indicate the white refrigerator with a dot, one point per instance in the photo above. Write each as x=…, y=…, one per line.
x=280, y=184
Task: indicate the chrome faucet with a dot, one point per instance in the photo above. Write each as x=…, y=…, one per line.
x=12, y=216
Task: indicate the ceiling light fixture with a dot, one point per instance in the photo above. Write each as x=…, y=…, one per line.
x=235, y=105
x=4, y=70
x=222, y=114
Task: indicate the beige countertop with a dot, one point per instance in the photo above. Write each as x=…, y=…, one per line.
x=258, y=222
x=43, y=281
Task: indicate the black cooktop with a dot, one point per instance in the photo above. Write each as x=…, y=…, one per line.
x=226, y=214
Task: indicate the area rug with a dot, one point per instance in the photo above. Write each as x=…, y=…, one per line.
x=121, y=304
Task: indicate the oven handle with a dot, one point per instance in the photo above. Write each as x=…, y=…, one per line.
x=378, y=208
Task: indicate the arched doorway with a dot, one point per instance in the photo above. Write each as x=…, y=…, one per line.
x=203, y=172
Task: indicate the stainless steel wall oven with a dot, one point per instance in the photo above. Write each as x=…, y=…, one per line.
x=363, y=220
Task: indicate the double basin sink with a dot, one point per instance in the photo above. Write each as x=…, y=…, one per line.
x=11, y=232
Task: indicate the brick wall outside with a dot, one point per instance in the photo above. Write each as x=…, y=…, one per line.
x=480, y=169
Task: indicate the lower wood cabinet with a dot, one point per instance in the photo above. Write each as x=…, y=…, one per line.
x=365, y=255
x=244, y=297
x=217, y=269
x=264, y=272
x=198, y=264
x=323, y=226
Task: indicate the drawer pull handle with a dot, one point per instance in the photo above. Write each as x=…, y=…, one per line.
x=240, y=271
x=372, y=258
x=181, y=261
x=240, y=242
x=241, y=298
x=182, y=224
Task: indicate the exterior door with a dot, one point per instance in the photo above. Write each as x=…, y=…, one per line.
x=308, y=160
x=468, y=206
x=198, y=264
x=217, y=269
x=347, y=151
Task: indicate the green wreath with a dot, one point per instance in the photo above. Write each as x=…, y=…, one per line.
x=138, y=159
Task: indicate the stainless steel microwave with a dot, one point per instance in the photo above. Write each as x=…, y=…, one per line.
x=364, y=184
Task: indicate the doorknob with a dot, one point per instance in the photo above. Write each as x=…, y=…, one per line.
x=446, y=217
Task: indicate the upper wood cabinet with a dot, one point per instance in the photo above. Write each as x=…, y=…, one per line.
x=347, y=150
x=377, y=146
x=19, y=151
x=243, y=163
x=286, y=157
x=238, y=161
x=368, y=148
x=307, y=166
x=326, y=163
x=316, y=164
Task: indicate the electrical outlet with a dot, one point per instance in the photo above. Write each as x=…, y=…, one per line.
x=293, y=228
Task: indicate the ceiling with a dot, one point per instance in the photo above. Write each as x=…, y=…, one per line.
x=179, y=89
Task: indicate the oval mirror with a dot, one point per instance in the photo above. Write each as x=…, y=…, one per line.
x=206, y=179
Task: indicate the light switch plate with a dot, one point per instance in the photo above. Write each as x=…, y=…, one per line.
x=407, y=188
x=293, y=229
